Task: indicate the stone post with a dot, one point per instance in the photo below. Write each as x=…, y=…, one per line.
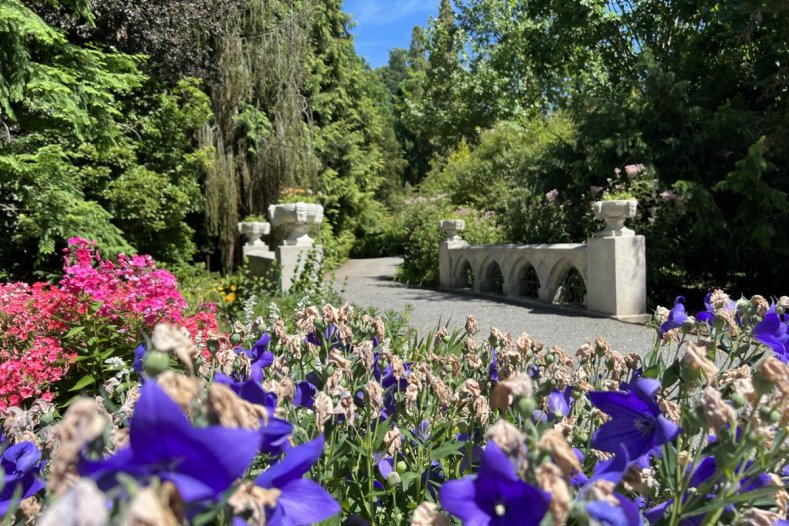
x=255, y=251
x=616, y=265
x=451, y=229
x=292, y=254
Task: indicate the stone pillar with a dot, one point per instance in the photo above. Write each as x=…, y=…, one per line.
x=451, y=229
x=616, y=265
x=259, y=258
x=292, y=254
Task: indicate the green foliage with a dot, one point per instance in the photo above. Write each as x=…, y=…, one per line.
x=422, y=235
x=91, y=149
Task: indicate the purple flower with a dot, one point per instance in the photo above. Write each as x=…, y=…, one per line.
x=275, y=432
x=21, y=465
x=676, y=317
x=259, y=357
x=305, y=394
x=559, y=403
x=139, y=355
x=624, y=513
x=493, y=368
x=301, y=501
x=201, y=462
x=495, y=496
x=636, y=421
x=707, y=316
x=773, y=332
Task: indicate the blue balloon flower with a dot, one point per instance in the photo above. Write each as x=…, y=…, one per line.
x=773, y=331
x=201, y=462
x=676, y=317
x=636, y=421
x=301, y=501
x=21, y=465
x=495, y=496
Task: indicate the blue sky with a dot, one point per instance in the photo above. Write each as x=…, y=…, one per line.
x=384, y=24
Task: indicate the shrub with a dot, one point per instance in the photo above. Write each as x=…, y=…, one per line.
x=67, y=337
x=422, y=236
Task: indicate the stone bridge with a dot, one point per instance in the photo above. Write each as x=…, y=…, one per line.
x=606, y=275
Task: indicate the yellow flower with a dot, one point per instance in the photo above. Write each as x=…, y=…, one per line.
x=233, y=288
x=230, y=298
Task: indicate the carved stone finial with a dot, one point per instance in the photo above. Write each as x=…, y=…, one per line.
x=296, y=218
x=615, y=213
x=452, y=228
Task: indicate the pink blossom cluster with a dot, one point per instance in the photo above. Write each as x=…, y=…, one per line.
x=131, y=295
x=31, y=358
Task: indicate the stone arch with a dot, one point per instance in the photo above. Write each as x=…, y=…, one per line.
x=566, y=284
x=491, y=277
x=464, y=277
x=527, y=281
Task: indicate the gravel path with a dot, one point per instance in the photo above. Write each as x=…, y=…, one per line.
x=369, y=282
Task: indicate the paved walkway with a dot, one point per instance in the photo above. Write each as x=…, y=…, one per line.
x=370, y=282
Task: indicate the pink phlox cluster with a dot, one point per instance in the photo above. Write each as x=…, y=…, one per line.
x=31, y=358
x=131, y=295
x=132, y=286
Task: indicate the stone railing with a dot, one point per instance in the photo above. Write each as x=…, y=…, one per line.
x=606, y=275
x=291, y=255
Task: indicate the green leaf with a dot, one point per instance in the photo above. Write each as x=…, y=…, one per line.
x=83, y=382
x=450, y=448
x=732, y=499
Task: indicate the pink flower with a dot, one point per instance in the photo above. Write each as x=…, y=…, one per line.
x=552, y=195
x=632, y=170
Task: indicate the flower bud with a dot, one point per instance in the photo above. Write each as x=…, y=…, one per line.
x=235, y=338
x=156, y=362
x=526, y=406
x=401, y=467
x=393, y=479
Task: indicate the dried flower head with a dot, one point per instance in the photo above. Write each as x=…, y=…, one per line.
x=380, y=328
x=506, y=390
x=323, y=409
x=155, y=508
x=775, y=372
x=717, y=412
x=760, y=304
x=759, y=517
x=375, y=396
x=231, y=411
x=84, y=421
x=83, y=505
x=471, y=324
x=481, y=409
x=393, y=440
x=696, y=362
x=181, y=389
x=508, y=437
x=428, y=514
x=550, y=479
x=254, y=500
x=169, y=338
x=553, y=442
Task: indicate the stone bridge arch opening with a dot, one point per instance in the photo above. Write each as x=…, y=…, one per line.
x=528, y=283
x=464, y=279
x=492, y=278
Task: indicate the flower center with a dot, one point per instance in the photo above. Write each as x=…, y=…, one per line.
x=500, y=510
x=644, y=425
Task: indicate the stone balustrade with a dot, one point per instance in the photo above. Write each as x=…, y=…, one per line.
x=292, y=254
x=606, y=275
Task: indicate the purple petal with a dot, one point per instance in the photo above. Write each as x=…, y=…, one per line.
x=156, y=426
x=496, y=465
x=665, y=430
x=458, y=498
x=306, y=502
x=618, y=404
x=295, y=464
